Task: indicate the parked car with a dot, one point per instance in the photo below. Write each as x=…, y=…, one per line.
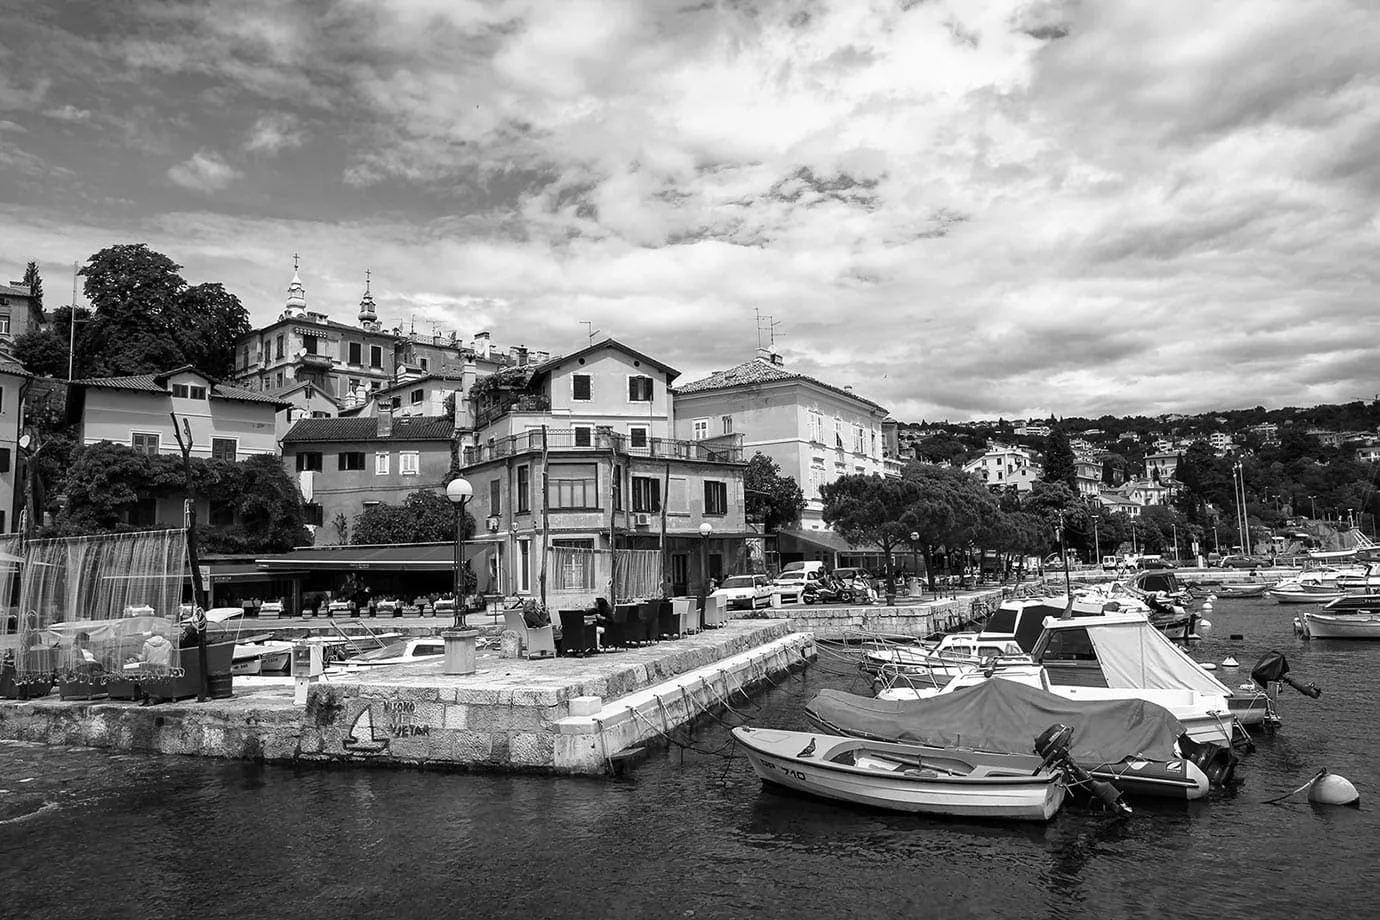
x=791, y=586
x=811, y=567
x=1240, y=561
x=746, y=591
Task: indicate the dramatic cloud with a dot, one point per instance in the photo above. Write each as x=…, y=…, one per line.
x=960, y=208
x=205, y=172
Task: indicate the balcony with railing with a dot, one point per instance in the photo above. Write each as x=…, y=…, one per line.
x=583, y=439
x=491, y=410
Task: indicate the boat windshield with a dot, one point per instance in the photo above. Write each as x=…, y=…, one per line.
x=391, y=650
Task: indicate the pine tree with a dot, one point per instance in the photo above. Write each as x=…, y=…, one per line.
x=34, y=281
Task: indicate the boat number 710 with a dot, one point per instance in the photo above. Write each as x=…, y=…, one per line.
x=793, y=774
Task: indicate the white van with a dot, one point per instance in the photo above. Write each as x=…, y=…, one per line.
x=812, y=568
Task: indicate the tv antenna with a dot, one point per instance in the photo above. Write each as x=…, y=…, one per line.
x=770, y=328
x=589, y=328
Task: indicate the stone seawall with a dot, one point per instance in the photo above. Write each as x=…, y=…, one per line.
x=917, y=620
x=511, y=715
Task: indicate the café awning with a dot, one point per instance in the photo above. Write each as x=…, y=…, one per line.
x=805, y=541
x=411, y=557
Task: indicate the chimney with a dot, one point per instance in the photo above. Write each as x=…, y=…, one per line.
x=848, y=387
x=481, y=344
x=521, y=352
x=764, y=354
x=775, y=359
x=385, y=421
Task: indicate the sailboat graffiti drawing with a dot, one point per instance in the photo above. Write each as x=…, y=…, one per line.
x=363, y=739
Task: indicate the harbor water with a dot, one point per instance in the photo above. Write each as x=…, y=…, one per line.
x=690, y=832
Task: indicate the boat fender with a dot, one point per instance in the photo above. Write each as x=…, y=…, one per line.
x=1052, y=744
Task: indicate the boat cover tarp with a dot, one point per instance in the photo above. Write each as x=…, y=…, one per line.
x=1004, y=717
x=1133, y=653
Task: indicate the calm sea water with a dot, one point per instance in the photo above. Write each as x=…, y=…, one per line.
x=692, y=833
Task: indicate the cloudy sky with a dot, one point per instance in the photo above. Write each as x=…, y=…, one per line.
x=963, y=209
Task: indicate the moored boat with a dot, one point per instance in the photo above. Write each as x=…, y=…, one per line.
x=1326, y=624
x=905, y=777
x=952, y=654
x=1140, y=747
x=1242, y=590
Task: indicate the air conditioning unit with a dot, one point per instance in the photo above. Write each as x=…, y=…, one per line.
x=642, y=520
x=493, y=524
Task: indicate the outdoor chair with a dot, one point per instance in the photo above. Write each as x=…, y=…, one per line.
x=714, y=614
x=647, y=614
x=667, y=623
x=690, y=616
x=577, y=636
x=623, y=628
x=533, y=641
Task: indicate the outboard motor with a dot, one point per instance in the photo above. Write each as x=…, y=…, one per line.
x=1217, y=761
x=1272, y=666
x=1053, y=745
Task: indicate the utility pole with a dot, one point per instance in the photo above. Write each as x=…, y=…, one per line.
x=72, y=325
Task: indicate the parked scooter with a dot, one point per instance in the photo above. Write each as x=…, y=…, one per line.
x=827, y=590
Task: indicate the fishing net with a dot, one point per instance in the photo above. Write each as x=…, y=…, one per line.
x=89, y=606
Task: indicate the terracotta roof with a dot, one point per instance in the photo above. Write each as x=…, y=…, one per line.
x=759, y=371
x=157, y=383
x=407, y=428
x=546, y=366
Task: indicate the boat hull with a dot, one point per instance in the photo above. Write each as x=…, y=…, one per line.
x=1303, y=597
x=1342, y=625
x=1035, y=796
x=1241, y=590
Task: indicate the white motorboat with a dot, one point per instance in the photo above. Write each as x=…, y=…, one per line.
x=1119, y=656
x=952, y=654
x=1329, y=624
x=269, y=655
x=402, y=651
x=904, y=777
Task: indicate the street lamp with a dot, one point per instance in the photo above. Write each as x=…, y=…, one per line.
x=705, y=530
x=1313, y=504
x=459, y=490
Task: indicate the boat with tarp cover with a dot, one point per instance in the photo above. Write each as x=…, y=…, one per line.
x=1138, y=746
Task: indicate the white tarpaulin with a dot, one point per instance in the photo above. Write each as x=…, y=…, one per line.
x=1133, y=653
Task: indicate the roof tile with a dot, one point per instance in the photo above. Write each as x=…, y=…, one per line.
x=411, y=428
x=758, y=371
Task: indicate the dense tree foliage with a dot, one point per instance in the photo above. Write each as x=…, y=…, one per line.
x=425, y=516
x=256, y=497
x=144, y=319
x=33, y=280
x=871, y=509
x=1058, y=465
x=774, y=499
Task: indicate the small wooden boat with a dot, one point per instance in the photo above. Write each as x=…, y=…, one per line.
x=903, y=777
x=1360, y=624
x=1255, y=590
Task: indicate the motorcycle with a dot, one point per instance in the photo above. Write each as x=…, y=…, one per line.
x=827, y=591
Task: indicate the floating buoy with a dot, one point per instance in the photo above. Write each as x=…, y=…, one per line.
x=1211, y=598
x=1203, y=628
x=1331, y=789
x=1207, y=666
x=1230, y=662
x=1236, y=637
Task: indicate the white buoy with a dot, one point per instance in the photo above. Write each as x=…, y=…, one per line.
x=1331, y=789
x=1203, y=628
x=1207, y=666
x=1230, y=662
x=1207, y=604
x=1212, y=598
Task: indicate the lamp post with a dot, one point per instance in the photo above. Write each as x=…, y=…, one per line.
x=705, y=530
x=459, y=639
x=1313, y=504
x=459, y=490
x=1097, y=543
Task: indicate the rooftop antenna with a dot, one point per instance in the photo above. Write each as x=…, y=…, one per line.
x=589, y=327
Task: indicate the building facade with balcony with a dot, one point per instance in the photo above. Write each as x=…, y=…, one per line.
x=571, y=461
x=345, y=465
x=19, y=312
x=814, y=431
x=1003, y=466
x=351, y=363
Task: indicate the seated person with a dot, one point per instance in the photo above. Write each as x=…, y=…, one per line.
x=82, y=656
x=535, y=615
x=157, y=653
